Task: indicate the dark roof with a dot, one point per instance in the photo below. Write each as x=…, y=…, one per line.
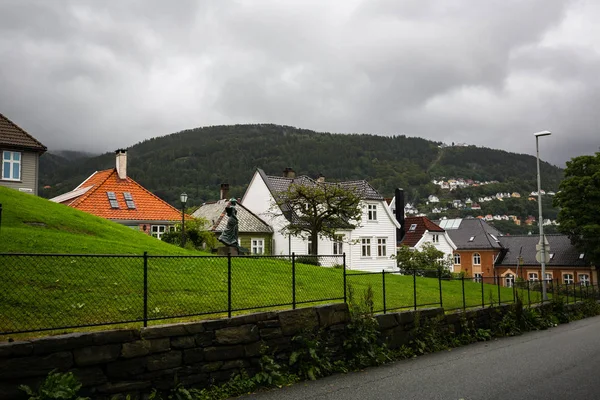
x=563, y=253
x=412, y=237
x=13, y=136
x=472, y=233
x=215, y=214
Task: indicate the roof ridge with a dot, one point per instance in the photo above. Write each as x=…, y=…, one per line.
x=87, y=194
x=2, y=116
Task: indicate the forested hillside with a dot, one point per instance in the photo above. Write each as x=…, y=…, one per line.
x=198, y=160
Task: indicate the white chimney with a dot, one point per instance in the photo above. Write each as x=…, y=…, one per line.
x=122, y=163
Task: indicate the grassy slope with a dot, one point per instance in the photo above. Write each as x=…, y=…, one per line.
x=61, y=291
x=66, y=230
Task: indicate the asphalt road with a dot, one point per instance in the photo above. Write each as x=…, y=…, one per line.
x=560, y=363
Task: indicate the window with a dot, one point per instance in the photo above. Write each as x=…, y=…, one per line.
x=372, y=209
x=510, y=280
x=157, y=230
x=476, y=259
x=533, y=276
x=436, y=238
x=128, y=200
x=365, y=247
x=381, y=247
x=568, y=279
x=338, y=245
x=478, y=277
x=471, y=238
x=548, y=276
x=258, y=246
x=112, y=199
x=11, y=165
x=309, y=252
x=457, y=258
x=584, y=279
x=413, y=227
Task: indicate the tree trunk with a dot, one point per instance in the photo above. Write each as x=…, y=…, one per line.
x=314, y=245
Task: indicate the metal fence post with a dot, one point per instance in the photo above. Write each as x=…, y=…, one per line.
x=383, y=283
x=415, y=288
x=293, y=281
x=482, y=294
x=345, y=293
x=145, y=289
x=529, y=295
x=498, y=280
x=462, y=278
x=229, y=284
x=440, y=285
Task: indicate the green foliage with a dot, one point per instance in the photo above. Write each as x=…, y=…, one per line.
x=429, y=261
x=56, y=386
x=196, y=235
x=578, y=200
x=319, y=210
x=310, y=357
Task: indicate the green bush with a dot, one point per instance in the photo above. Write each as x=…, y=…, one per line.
x=57, y=385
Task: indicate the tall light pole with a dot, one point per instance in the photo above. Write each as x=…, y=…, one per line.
x=183, y=197
x=542, y=244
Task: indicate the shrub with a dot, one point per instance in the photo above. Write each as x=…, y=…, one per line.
x=57, y=385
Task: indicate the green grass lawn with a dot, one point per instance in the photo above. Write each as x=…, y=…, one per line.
x=59, y=292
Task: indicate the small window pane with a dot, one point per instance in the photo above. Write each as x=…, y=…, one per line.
x=16, y=171
x=6, y=170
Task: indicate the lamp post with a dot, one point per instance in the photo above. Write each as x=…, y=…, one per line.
x=542, y=243
x=183, y=197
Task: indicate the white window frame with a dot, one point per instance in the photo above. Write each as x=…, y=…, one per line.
x=435, y=238
x=509, y=280
x=478, y=277
x=533, y=276
x=338, y=245
x=10, y=163
x=365, y=247
x=585, y=281
x=372, y=212
x=456, y=256
x=568, y=278
x=158, y=231
x=257, y=245
x=548, y=276
x=381, y=247
x=476, y=259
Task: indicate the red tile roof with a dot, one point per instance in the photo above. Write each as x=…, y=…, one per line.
x=411, y=238
x=148, y=207
x=12, y=135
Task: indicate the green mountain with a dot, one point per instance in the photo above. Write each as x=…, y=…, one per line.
x=198, y=160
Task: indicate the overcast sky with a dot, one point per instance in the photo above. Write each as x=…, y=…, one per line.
x=99, y=75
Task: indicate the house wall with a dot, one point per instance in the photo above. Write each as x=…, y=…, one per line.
x=29, y=172
x=466, y=265
x=556, y=271
x=443, y=245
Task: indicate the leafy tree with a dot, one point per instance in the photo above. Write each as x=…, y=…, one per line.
x=319, y=209
x=196, y=235
x=579, y=202
x=426, y=262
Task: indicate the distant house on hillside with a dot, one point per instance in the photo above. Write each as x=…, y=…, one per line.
x=367, y=247
x=20, y=157
x=253, y=233
x=111, y=194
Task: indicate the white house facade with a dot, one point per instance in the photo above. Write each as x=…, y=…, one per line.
x=368, y=247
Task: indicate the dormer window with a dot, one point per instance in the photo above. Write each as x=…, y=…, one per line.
x=112, y=199
x=551, y=256
x=412, y=228
x=581, y=256
x=372, y=211
x=471, y=238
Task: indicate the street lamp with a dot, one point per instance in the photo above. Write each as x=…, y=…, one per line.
x=542, y=243
x=183, y=198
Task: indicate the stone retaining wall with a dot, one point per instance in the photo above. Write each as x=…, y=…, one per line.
x=199, y=353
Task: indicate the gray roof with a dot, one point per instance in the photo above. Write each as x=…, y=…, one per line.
x=562, y=252
x=215, y=214
x=472, y=233
x=12, y=135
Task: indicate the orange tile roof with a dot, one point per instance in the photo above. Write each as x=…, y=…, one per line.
x=95, y=201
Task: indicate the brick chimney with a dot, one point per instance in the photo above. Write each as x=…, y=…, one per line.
x=289, y=173
x=399, y=204
x=224, y=193
x=121, y=163
x=321, y=178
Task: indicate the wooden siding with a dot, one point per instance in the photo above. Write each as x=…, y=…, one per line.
x=29, y=172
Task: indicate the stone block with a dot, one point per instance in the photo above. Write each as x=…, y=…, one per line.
x=332, y=314
x=254, y=349
x=183, y=342
x=204, y=339
x=96, y=354
x=279, y=344
x=193, y=356
x=428, y=313
x=295, y=321
x=54, y=344
x=194, y=380
x=35, y=366
x=90, y=376
x=163, y=331
x=386, y=321
x=271, y=323
x=167, y=360
x=10, y=391
x=120, y=387
x=15, y=349
x=115, y=336
x=270, y=333
x=222, y=353
x=397, y=337
x=212, y=366
x=405, y=317
x=222, y=376
x=242, y=334
x=250, y=318
x=235, y=364
x=142, y=347
x=126, y=368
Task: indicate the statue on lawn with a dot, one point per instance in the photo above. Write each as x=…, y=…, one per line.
x=229, y=237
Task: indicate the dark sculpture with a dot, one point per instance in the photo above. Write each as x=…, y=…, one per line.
x=229, y=237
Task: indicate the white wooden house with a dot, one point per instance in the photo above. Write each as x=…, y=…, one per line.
x=368, y=247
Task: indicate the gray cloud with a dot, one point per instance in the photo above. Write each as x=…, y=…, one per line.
x=101, y=75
